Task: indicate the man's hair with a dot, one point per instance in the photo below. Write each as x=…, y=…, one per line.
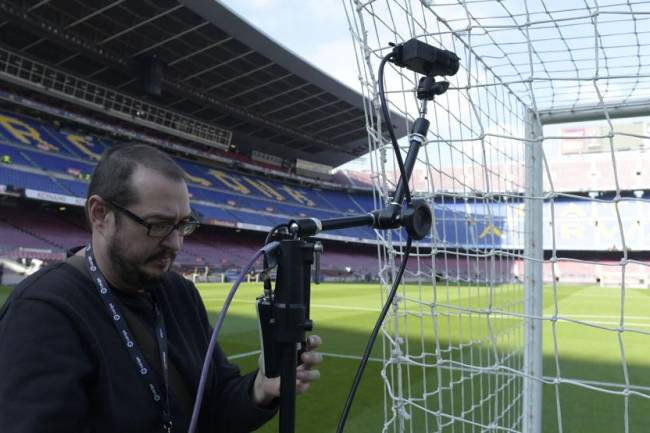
x=111, y=179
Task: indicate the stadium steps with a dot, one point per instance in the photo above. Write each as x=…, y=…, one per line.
x=74, y=222
x=21, y=148
x=32, y=234
x=61, y=144
x=203, y=260
x=212, y=256
x=326, y=200
x=358, y=204
x=259, y=199
x=48, y=173
x=238, y=254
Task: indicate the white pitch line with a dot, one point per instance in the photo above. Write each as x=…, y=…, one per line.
x=602, y=316
x=627, y=325
x=546, y=317
x=355, y=357
x=598, y=383
x=615, y=295
x=546, y=378
x=332, y=306
x=346, y=307
x=244, y=355
x=377, y=310
x=325, y=354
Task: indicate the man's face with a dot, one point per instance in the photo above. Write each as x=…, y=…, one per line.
x=136, y=258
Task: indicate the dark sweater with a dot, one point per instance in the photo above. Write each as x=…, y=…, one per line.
x=64, y=368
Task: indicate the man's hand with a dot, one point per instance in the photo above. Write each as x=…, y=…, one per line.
x=266, y=389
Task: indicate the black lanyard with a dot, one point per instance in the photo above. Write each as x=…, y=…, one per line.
x=143, y=369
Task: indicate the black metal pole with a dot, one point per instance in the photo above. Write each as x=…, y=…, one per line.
x=288, y=362
x=418, y=137
x=291, y=315
x=347, y=222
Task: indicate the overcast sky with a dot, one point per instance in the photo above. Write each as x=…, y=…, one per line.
x=316, y=30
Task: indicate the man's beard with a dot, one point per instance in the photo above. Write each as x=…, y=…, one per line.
x=132, y=273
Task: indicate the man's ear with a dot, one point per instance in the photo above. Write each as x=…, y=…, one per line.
x=98, y=213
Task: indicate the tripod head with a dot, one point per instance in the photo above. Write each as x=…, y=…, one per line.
x=428, y=88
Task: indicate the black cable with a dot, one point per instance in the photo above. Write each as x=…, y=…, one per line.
x=389, y=125
x=215, y=334
x=400, y=272
x=272, y=232
x=373, y=337
x=269, y=238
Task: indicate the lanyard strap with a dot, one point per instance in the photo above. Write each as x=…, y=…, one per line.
x=132, y=347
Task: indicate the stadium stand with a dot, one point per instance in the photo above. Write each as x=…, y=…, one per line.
x=220, y=197
x=28, y=230
x=41, y=157
x=249, y=199
x=13, y=237
x=57, y=232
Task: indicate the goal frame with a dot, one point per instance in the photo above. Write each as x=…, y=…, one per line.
x=534, y=238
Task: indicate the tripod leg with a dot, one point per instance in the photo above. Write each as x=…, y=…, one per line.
x=289, y=358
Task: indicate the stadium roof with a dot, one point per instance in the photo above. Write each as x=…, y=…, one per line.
x=217, y=69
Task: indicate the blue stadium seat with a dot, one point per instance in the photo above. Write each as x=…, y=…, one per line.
x=365, y=201
x=212, y=212
x=76, y=187
x=255, y=218
x=15, y=154
x=23, y=179
x=30, y=133
x=341, y=201
x=58, y=164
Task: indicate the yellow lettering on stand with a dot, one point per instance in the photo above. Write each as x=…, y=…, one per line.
x=197, y=179
x=571, y=221
x=25, y=133
x=230, y=181
x=299, y=196
x=83, y=144
x=609, y=231
x=572, y=230
x=491, y=229
x=265, y=189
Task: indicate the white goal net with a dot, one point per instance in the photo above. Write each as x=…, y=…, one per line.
x=523, y=311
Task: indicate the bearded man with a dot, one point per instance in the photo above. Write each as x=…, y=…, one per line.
x=111, y=340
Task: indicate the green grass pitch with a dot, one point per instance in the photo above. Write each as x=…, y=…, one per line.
x=345, y=313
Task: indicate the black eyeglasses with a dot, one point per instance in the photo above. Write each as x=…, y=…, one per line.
x=162, y=229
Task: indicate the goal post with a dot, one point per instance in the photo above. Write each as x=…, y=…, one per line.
x=533, y=278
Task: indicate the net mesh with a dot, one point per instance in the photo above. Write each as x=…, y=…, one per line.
x=455, y=342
